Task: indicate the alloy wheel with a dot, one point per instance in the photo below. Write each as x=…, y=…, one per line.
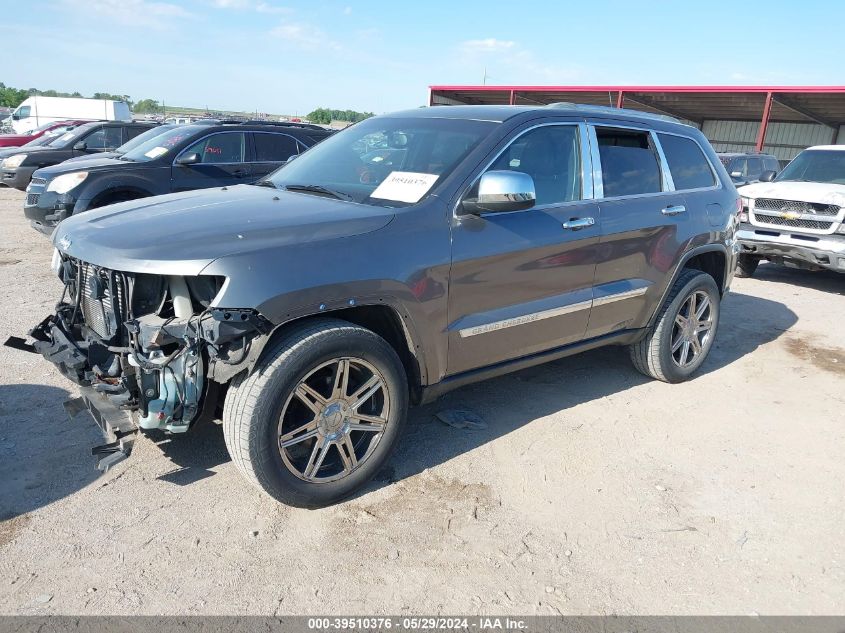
x=333, y=420
x=692, y=329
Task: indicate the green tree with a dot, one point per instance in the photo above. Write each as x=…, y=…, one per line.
x=150, y=106
x=326, y=115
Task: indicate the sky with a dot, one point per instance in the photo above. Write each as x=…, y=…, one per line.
x=291, y=57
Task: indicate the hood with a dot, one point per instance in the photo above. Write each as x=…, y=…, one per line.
x=815, y=192
x=181, y=233
x=11, y=151
x=87, y=163
x=15, y=140
x=91, y=157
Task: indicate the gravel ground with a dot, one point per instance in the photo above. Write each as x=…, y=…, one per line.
x=592, y=491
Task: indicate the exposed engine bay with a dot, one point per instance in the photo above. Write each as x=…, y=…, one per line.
x=151, y=345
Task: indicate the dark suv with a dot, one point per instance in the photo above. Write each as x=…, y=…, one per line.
x=90, y=138
x=748, y=168
x=315, y=308
x=182, y=158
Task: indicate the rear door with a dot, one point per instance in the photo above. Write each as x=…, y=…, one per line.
x=643, y=226
x=521, y=282
x=272, y=150
x=223, y=161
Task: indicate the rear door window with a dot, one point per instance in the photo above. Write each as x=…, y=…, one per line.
x=689, y=167
x=274, y=147
x=226, y=147
x=629, y=163
x=755, y=168
x=132, y=131
x=104, y=138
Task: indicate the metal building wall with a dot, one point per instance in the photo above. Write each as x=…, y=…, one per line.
x=784, y=140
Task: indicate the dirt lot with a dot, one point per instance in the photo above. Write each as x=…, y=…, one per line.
x=593, y=490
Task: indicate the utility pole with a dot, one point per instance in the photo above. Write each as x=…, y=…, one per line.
x=484, y=78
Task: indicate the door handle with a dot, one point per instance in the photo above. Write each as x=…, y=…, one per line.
x=575, y=224
x=675, y=209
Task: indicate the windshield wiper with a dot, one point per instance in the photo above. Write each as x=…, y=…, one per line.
x=265, y=183
x=319, y=189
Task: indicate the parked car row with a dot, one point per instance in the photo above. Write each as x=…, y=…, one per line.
x=395, y=260
x=170, y=158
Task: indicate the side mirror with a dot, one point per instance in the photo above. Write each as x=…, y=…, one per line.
x=502, y=191
x=188, y=159
x=81, y=146
x=768, y=176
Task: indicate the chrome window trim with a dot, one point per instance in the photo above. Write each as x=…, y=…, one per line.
x=599, y=182
x=595, y=160
x=666, y=175
x=585, y=159
x=717, y=182
x=209, y=135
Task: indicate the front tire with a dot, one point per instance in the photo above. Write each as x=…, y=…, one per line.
x=683, y=332
x=746, y=265
x=319, y=415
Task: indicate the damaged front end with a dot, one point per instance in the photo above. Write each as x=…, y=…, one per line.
x=147, y=351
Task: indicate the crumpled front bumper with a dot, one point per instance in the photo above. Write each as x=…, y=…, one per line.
x=822, y=251
x=117, y=425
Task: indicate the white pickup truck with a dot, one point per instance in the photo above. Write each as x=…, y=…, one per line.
x=796, y=218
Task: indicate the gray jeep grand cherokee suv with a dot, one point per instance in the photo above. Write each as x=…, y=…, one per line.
x=403, y=257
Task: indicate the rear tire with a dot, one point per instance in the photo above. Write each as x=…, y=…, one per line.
x=676, y=345
x=746, y=265
x=319, y=415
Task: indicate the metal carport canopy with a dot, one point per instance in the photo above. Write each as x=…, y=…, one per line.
x=823, y=105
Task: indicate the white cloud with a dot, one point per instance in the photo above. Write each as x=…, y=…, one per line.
x=252, y=5
x=304, y=36
x=509, y=62
x=131, y=12
x=489, y=45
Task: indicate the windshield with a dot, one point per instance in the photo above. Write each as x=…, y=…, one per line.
x=161, y=144
x=816, y=165
x=383, y=161
x=139, y=140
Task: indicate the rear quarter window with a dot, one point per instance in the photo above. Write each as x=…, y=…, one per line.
x=689, y=167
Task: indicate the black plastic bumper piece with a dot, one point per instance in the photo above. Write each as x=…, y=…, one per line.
x=116, y=425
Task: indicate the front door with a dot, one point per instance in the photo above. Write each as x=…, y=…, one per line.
x=521, y=282
x=222, y=162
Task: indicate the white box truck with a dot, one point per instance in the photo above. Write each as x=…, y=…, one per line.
x=36, y=111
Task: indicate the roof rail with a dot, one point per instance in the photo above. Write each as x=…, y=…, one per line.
x=306, y=126
x=566, y=105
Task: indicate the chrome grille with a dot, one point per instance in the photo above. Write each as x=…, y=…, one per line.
x=813, y=225
x=32, y=199
x=771, y=204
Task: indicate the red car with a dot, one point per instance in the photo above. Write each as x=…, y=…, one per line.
x=16, y=140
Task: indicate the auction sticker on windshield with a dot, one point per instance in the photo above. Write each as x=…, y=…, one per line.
x=156, y=152
x=404, y=186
